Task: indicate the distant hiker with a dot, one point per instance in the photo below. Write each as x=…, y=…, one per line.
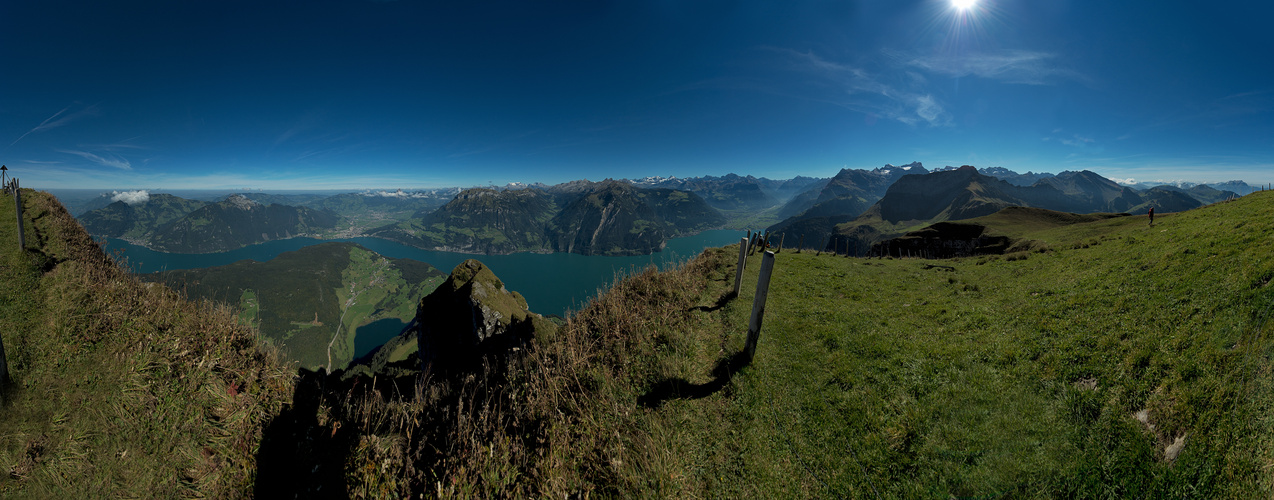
x=1152, y=216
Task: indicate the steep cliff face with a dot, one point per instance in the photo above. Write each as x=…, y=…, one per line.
x=236, y=222
x=611, y=220
x=472, y=315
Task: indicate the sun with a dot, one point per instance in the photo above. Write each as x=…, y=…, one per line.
x=963, y=4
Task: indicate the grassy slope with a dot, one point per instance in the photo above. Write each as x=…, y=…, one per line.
x=120, y=388
x=1009, y=376
x=1019, y=375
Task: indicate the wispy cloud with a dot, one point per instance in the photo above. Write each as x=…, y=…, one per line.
x=1076, y=140
x=897, y=85
x=125, y=145
x=59, y=119
x=109, y=161
x=903, y=98
x=1009, y=66
x=1083, y=143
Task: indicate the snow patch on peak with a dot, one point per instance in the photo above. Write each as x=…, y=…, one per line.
x=890, y=168
x=242, y=202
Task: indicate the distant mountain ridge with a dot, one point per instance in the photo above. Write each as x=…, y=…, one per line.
x=623, y=217
x=237, y=222
x=591, y=218
x=965, y=193
x=728, y=192
x=135, y=222
x=171, y=224
x=479, y=220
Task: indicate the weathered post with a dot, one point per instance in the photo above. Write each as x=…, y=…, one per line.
x=801, y=245
x=758, y=303
x=743, y=259
x=4, y=370
x=17, y=199
x=781, y=238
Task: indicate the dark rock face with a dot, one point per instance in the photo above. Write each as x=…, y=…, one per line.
x=472, y=315
x=611, y=220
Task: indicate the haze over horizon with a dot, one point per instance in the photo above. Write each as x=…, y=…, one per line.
x=408, y=94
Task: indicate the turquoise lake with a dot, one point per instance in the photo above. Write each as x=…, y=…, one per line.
x=554, y=283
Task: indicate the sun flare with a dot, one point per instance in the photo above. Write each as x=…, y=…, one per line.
x=963, y=4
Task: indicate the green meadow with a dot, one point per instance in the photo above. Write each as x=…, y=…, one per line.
x=1110, y=358
x=1102, y=357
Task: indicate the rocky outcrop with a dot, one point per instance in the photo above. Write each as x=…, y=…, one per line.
x=472, y=315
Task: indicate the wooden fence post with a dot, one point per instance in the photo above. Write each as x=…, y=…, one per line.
x=801, y=245
x=743, y=259
x=4, y=370
x=758, y=303
x=17, y=199
x=781, y=238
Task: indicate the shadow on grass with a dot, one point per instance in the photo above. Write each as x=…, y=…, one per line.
x=721, y=302
x=678, y=388
x=299, y=457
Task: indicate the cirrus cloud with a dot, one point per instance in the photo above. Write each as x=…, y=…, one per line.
x=108, y=160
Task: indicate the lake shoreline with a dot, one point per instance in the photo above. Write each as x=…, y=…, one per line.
x=553, y=283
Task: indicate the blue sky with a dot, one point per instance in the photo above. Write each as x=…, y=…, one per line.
x=388, y=94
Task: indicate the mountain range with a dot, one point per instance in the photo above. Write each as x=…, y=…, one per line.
x=171, y=224
x=858, y=208
x=1104, y=357
x=627, y=217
